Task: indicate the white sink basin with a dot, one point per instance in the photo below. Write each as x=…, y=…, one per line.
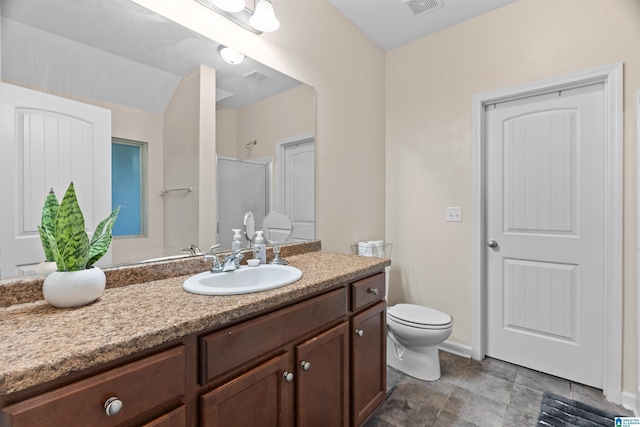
x=243, y=280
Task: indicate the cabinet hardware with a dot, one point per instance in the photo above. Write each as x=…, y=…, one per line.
x=305, y=365
x=359, y=332
x=287, y=376
x=112, y=406
x=373, y=291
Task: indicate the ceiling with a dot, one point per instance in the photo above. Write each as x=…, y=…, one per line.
x=392, y=23
x=119, y=52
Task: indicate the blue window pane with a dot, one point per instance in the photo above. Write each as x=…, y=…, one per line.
x=125, y=188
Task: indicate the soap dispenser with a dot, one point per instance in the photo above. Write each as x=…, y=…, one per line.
x=237, y=239
x=260, y=248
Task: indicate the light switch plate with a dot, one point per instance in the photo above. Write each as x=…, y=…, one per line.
x=454, y=214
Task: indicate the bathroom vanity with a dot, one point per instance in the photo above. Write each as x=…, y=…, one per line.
x=310, y=353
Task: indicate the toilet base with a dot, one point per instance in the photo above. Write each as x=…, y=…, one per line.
x=423, y=366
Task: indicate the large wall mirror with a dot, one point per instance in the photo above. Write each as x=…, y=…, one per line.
x=139, y=111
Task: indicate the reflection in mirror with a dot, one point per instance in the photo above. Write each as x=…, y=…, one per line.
x=277, y=228
x=249, y=228
x=90, y=71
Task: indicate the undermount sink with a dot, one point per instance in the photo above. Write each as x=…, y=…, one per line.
x=243, y=280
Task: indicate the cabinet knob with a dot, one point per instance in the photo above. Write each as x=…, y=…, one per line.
x=287, y=376
x=305, y=365
x=112, y=406
x=359, y=332
x=373, y=291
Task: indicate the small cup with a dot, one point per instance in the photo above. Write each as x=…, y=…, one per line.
x=253, y=262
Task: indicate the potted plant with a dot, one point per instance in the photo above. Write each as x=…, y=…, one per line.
x=65, y=241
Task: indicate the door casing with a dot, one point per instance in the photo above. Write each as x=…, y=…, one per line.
x=611, y=77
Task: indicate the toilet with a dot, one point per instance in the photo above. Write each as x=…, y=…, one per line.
x=413, y=335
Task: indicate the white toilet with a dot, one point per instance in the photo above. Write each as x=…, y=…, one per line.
x=413, y=335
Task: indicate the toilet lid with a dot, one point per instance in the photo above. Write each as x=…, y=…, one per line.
x=419, y=315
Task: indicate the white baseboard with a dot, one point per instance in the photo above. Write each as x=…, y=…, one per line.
x=457, y=349
x=629, y=401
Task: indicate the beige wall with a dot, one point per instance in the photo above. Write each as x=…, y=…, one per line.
x=180, y=169
x=226, y=132
x=320, y=47
x=285, y=115
x=429, y=87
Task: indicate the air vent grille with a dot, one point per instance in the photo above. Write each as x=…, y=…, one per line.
x=257, y=76
x=420, y=7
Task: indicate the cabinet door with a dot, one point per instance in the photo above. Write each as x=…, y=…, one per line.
x=260, y=397
x=322, y=379
x=368, y=361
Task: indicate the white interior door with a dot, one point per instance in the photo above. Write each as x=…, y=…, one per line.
x=545, y=213
x=299, y=195
x=47, y=142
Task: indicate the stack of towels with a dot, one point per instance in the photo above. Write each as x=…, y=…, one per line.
x=373, y=248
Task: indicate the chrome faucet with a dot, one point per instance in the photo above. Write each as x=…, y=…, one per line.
x=228, y=263
x=191, y=250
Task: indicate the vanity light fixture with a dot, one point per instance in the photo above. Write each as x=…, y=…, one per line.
x=232, y=6
x=264, y=18
x=260, y=20
x=230, y=56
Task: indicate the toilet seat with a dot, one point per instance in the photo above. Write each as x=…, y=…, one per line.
x=418, y=316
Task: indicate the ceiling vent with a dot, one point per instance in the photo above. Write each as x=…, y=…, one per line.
x=421, y=7
x=256, y=76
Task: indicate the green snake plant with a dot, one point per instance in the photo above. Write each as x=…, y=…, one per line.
x=64, y=238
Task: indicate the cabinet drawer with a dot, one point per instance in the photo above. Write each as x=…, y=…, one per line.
x=231, y=347
x=175, y=418
x=367, y=291
x=140, y=386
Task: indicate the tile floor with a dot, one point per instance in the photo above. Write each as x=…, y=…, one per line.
x=471, y=393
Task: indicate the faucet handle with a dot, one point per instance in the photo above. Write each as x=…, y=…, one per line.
x=213, y=248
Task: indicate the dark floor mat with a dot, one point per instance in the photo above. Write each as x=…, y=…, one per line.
x=558, y=411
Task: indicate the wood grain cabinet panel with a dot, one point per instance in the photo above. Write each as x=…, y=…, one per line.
x=322, y=380
x=141, y=386
x=368, y=361
x=367, y=291
x=246, y=341
x=260, y=397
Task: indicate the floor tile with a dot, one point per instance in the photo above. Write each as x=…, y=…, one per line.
x=471, y=393
x=495, y=367
x=594, y=397
x=484, y=384
x=542, y=382
x=473, y=408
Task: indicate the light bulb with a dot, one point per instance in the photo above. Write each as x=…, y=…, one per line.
x=231, y=56
x=264, y=19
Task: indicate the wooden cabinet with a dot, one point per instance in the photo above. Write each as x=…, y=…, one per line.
x=319, y=362
x=136, y=390
x=258, y=397
x=368, y=347
x=306, y=384
x=322, y=380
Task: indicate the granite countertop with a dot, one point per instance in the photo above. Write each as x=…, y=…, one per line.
x=41, y=343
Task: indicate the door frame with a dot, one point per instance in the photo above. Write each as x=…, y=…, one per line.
x=611, y=77
x=281, y=146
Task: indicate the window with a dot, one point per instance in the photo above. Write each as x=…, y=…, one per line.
x=128, y=186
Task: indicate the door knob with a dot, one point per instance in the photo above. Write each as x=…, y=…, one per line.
x=492, y=244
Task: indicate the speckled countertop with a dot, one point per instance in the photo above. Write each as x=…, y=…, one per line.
x=40, y=343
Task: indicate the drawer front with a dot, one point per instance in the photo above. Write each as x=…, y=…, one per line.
x=231, y=347
x=367, y=291
x=140, y=386
x=175, y=418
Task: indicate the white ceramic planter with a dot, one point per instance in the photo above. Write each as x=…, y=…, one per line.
x=74, y=288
